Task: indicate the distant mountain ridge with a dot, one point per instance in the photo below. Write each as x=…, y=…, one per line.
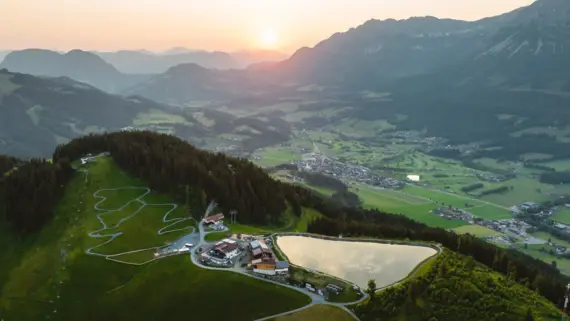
x=136, y=62
x=76, y=64
x=38, y=113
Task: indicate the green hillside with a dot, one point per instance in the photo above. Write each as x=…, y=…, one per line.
x=50, y=274
x=147, y=193
x=454, y=285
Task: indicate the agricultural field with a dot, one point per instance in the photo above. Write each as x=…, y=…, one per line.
x=358, y=128
x=317, y=313
x=51, y=275
x=476, y=230
x=377, y=199
x=273, y=156
x=524, y=190
x=547, y=236
x=562, y=216
x=562, y=264
x=490, y=212
x=156, y=117
x=559, y=165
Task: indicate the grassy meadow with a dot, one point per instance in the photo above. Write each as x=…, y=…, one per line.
x=317, y=313
x=49, y=275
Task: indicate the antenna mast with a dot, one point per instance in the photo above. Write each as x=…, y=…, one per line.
x=565, y=306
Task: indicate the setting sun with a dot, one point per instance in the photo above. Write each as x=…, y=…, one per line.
x=268, y=38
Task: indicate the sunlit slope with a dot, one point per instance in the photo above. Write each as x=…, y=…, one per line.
x=50, y=274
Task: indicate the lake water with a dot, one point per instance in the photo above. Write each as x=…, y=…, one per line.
x=356, y=262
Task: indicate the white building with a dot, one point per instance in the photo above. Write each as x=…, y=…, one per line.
x=266, y=272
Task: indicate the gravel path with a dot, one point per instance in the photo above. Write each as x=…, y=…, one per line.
x=139, y=199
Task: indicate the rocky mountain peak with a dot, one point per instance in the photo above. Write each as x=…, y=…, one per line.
x=546, y=12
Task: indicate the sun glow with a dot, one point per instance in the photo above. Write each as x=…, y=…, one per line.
x=268, y=38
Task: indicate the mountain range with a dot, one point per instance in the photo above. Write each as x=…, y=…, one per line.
x=448, y=78
x=39, y=113
x=138, y=62
x=76, y=64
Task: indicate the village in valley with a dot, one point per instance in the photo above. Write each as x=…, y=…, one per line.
x=408, y=180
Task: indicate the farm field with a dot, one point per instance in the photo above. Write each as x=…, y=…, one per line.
x=490, y=212
x=442, y=198
x=476, y=230
x=525, y=190
x=559, y=165
x=546, y=236
x=273, y=156
x=373, y=198
x=155, y=117
x=317, y=313
x=561, y=263
x=51, y=275
x=562, y=216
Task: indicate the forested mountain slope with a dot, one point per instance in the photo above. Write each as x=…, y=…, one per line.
x=455, y=287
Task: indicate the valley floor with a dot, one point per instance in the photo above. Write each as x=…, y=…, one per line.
x=442, y=181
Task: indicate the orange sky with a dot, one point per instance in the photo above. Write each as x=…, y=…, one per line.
x=209, y=24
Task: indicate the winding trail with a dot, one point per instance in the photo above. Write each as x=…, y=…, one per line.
x=139, y=199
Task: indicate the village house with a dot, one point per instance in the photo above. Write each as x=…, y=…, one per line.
x=213, y=219
x=226, y=249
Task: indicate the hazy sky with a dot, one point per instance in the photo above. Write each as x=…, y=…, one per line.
x=210, y=24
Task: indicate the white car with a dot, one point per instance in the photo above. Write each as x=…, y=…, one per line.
x=188, y=245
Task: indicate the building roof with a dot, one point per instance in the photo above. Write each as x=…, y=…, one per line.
x=267, y=260
x=214, y=218
x=254, y=244
x=282, y=265
x=266, y=251
x=263, y=245
x=256, y=261
x=256, y=252
x=226, y=247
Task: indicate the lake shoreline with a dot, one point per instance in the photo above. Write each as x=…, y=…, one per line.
x=437, y=247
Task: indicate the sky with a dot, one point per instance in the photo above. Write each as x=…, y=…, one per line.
x=225, y=25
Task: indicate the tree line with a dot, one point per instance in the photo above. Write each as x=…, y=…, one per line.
x=472, y=187
x=497, y=190
x=555, y=177
x=171, y=165
x=29, y=194
x=6, y=164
